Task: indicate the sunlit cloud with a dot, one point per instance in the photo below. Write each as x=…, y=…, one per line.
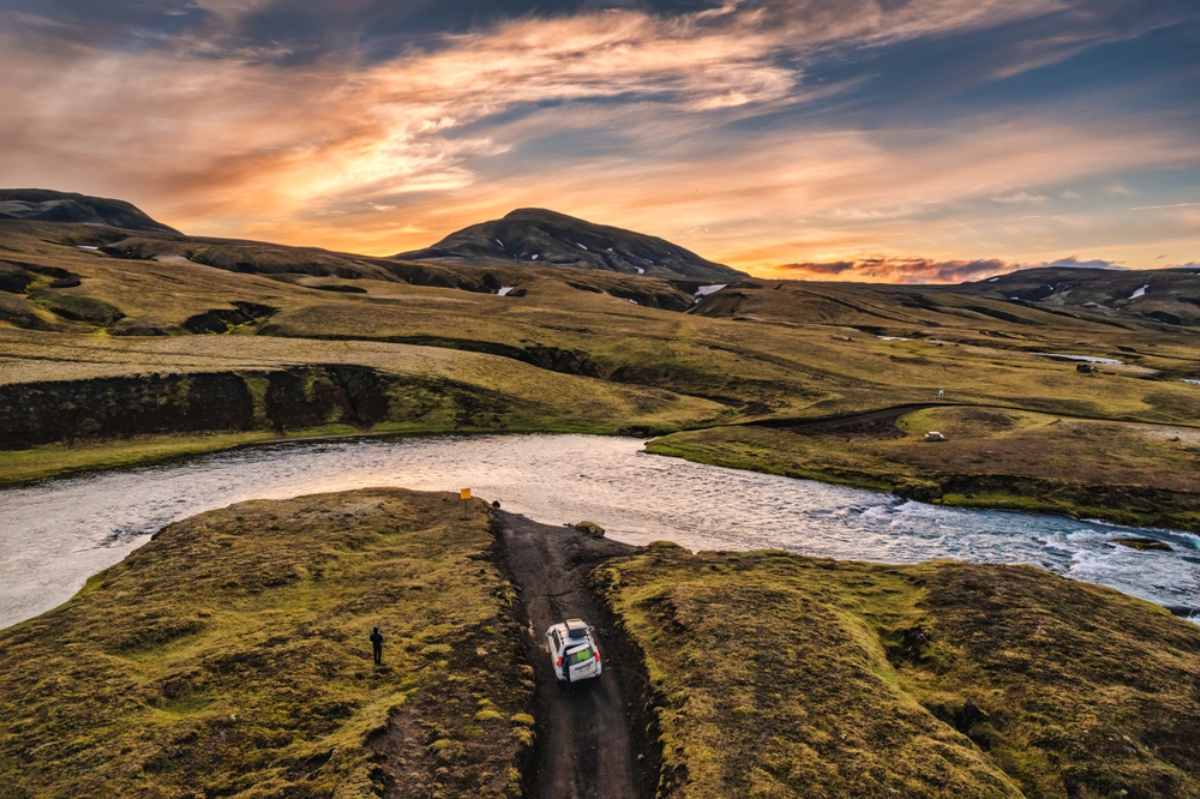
x=721, y=128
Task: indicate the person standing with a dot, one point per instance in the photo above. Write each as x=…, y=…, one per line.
x=377, y=645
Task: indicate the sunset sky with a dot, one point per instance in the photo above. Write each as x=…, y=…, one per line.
x=850, y=139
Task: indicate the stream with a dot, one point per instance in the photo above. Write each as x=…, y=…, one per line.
x=56, y=534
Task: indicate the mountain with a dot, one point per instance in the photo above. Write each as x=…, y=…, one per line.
x=44, y=205
x=535, y=236
x=1167, y=296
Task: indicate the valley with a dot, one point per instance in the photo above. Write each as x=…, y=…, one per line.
x=96, y=319
x=789, y=638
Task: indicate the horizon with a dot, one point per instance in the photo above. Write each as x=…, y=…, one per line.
x=936, y=141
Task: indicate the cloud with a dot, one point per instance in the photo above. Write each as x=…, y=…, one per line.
x=1021, y=198
x=915, y=270
x=1074, y=263
x=350, y=125
x=811, y=268
x=899, y=270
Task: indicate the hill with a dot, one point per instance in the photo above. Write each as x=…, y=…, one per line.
x=535, y=235
x=43, y=205
x=1062, y=297
x=1168, y=296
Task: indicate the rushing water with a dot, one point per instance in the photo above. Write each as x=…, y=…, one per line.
x=54, y=535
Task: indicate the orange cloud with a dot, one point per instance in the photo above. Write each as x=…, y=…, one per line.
x=389, y=156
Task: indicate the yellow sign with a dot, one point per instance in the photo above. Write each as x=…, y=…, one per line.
x=464, y=494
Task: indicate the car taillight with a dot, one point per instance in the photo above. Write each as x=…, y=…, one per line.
x=597, y=655
x=558, y=663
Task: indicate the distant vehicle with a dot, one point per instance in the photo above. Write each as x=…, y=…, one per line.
x=573, y=651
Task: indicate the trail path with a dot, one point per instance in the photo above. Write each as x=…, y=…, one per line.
x=586, y=746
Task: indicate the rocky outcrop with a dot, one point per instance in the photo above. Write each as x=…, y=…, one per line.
x=69, y=411
x=222, y=320
x=33, y=414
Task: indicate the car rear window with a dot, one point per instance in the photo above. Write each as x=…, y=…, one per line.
x=580, y=656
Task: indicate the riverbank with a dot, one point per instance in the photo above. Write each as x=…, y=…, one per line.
x=786, y=676
x=1122, y=472
x=230, y=655
x=24, y=467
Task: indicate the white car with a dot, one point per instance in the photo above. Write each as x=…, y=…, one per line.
x=573, y=651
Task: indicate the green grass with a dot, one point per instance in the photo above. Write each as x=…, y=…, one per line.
x=230, y=656
x=56, y=460
x=782, y=676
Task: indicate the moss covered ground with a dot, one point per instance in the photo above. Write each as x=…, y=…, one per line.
x=230, y=657
x=782, y=676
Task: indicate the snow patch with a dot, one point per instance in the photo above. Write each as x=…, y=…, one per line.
x=893, y=338
x=640, y=270
x=499, y=243
x=1064, y=356
x=992, y=279
x=503, y=290
x=580, y=246
x=1141, y=292
x=534, y=257
x=635, y=302
x=88, y=247
x=704, y=291
x=1193, y=382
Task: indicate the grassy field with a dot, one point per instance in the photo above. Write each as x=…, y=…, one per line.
x=992, y=457
x=230, y=655
x=587, y=351
x=782, y=676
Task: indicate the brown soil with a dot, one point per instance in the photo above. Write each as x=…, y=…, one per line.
x=588, y=735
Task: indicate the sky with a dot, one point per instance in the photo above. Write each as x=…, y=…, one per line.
x=875, y=140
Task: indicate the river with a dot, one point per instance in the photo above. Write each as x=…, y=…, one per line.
x=56, y=534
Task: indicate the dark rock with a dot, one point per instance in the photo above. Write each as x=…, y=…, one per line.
x=1143, y=544
x=340, y=288
x=14, y=279
x=47, y=412
x=220, y=320
x=909, y=645
x=589, y=528
x=575, y=362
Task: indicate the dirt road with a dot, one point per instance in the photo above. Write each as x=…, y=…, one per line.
x=586, y=734
x=879, y=423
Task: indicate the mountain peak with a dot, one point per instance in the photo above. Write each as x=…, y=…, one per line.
x=542, y=237
x=46, y=205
